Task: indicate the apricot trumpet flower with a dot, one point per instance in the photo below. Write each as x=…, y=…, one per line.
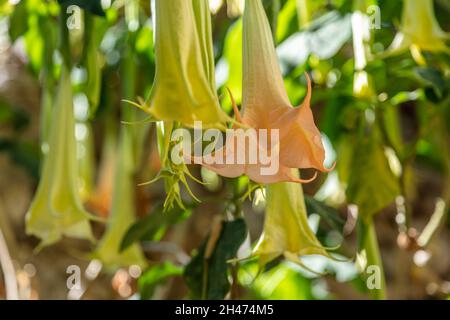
x=56, y=209
x=267, y=106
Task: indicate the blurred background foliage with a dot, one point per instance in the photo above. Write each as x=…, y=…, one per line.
x=386, y=123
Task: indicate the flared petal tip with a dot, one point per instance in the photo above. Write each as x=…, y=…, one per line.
x=327, y=170
x=299, y=180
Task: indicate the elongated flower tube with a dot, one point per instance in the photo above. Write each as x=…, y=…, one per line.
x=286, y=231
x=419, y=30
x=56, y=209
x=122, y=213
x=184, y=88
x=267, y=106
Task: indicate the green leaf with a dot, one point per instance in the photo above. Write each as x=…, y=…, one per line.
x=282, y=282
x=272, y=9
x=329, y=33
x=35, y=44
x=24, y=154
x=432, y=77
x=391, y=124
x=208, y=278
x=92, y=62
x=18, y=23
x=329, y=214
x=372, y=185
x=324, y=38
x=153, y=226
x=287, y=20
x=93, y=6
x=155, y=276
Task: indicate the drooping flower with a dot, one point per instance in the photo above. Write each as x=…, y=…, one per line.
x=286, y=231
x=267, y=106
x=122, y=213
x=419, y=30
x=184, y=87
x=56, y=209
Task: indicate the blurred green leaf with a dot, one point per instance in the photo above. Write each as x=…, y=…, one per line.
x=324, y=38
x=272, y=8
x=153, y=226
x=391, y=125
x=18, y=23
x=208, y=278
x=144, y=41
x=432, y=77
x=283, y=282
x=155, y=276
x=231, y=63
x=329, y=214
x=287, y=20
x=14, y=117
x=92, y=62
x=34, y=44
x=372, y=185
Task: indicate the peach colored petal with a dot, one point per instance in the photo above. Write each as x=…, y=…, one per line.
x=300, y=140
x=233, y=169
x=266, y=106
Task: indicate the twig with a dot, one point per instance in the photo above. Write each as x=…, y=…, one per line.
x=8, y=271
x=368, y=242
x=433, y=224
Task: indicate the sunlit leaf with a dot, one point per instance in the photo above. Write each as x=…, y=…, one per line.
x=434, y=78
x=324, y=38
x=372, y=185
x=232, y=61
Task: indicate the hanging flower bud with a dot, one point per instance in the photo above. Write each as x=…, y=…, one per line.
x=286, y=231
x=419, y=30
x=184, y=88
x=56, y=209
x=122, y=213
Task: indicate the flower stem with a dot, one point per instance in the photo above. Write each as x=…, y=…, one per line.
x=9, y=274
x=368, y=242
x=64, y=41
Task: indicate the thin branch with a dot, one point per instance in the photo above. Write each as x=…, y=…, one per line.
x=8, y=271
x=432, y=225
